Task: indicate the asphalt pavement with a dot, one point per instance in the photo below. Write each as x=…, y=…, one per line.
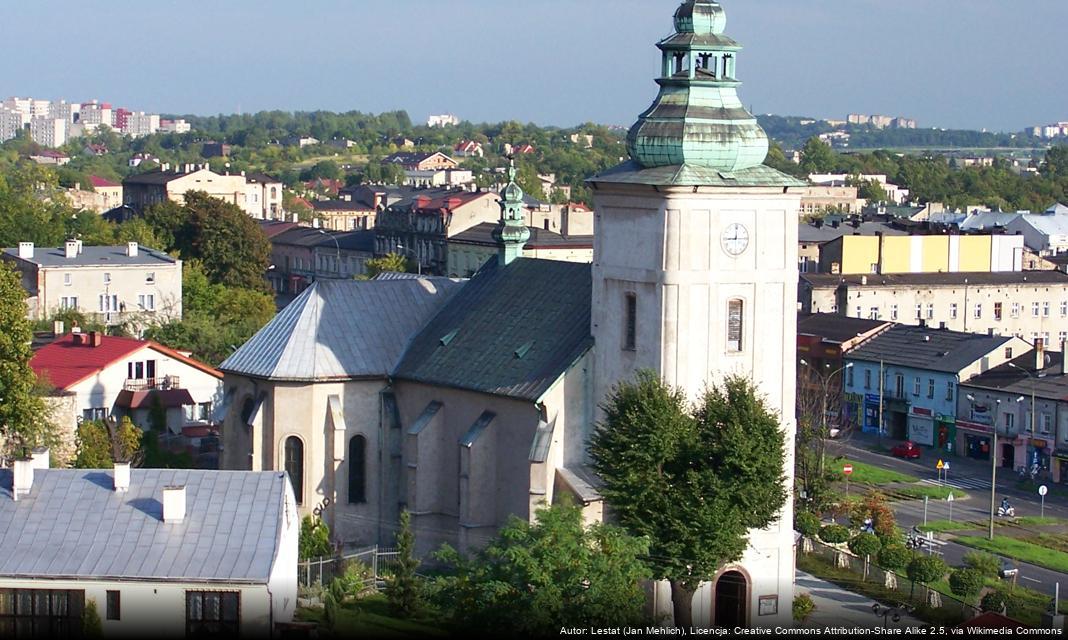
x=967, y=475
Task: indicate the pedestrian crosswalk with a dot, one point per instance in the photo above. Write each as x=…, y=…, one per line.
x=960, y=483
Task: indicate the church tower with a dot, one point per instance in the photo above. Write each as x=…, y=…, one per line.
x=695, y=272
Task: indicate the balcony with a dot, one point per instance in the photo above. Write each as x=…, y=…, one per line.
x=165, y=383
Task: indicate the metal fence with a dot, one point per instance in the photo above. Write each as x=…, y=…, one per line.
x=379, y=563
x=898, y=589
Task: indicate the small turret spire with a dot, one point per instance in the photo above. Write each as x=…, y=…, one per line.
x=511, y=232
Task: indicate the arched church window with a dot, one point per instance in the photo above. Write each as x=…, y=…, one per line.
x=294, y=463
x=357, y=470
x=735, y=325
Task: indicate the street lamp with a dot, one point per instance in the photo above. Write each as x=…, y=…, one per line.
x=825, y=381
x=409, y=252
x=1034, y=380
x=331, y=236
x=993, y=462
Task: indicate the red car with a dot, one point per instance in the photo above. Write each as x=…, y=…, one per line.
x=907, y=449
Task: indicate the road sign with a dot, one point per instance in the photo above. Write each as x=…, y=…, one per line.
x=941, y=465
x=945, y=467
x=1043, y=490
x=949, y=498
x=847, y=469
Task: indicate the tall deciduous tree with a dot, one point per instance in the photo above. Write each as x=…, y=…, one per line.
x=534, y=579
x=24, y=418
x=101, y=444
x=817, y=156
x=693, y=482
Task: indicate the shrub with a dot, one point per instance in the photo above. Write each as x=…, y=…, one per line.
x=926, y=569
x=894, y=557
x=874, y=506
x=834, y=534
x=91, y=625
x=985, y=563
x=803, y=607
x=314, y=539
x=807, y=524
x=995, y=601
x=966, y=583
x=865, y=544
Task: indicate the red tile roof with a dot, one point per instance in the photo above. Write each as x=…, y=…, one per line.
x=97, y=181
x=450, y=200
x=65, y=363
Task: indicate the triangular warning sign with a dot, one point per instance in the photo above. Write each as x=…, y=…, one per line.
x=941, y=465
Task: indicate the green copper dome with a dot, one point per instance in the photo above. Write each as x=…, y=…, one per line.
x=702, y=18
x=697, y=118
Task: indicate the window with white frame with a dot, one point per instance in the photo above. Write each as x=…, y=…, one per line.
x=68, y=279
x=1015, y=309
x=930, y=311
x=68, y=302
x=1064, y=309
x=978, y=311
x=919, y=311
x=893, y=312
x=1034, y=309
x=147, y=301
x=949, y=391
x=1045, y=309
x=873, y=313
x=916, y=386
x=107, y=278
x=150, y=277
x=109, y=303
x=1046, y=423
x=930, y=388
x=953, y=311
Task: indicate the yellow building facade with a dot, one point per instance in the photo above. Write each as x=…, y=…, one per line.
x=851, y=255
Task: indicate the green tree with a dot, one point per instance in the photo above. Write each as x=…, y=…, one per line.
x=314, y=539
x=91, y=624
x=865, y=545
x=894, y=557
x=817, y=157
x=391, y=262
x=803, y=607
x=100, y=444
x=533, y=579
x=402, y=590
x=925, y=570
x=966, y=583
x=807, y=524
x=834, y=534
x=693, y=482
x=985, y=563
x=25, y=420
x=996, y=601
x=1056, y=162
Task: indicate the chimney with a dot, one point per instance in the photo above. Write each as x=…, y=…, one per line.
x=79, y=246
x=72, y=249
x=39, y=458
x=57, y=328
x=174, y=503
x=1040, y=355
x=23, y=478
x=122, y=477
x=26, y=250
x=864, y=280
x=95, y=339
x=165, y=167
x=131, y=249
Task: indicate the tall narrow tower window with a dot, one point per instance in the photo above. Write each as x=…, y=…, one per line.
x=357, y=470
x=630, y=331
x=735, y=325
x=294, y=451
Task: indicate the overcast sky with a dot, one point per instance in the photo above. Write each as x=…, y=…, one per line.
x=950, y=63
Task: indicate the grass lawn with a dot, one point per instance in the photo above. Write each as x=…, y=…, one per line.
x=868, y=474
x=370, y=617
x=933, y=492
x=1035, y=521
x=942, y=526
x=1021, y=550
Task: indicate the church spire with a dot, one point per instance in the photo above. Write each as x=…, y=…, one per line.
x=697, y=118
x=511, y=233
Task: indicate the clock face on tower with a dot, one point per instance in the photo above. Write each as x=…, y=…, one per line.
x=735, y=239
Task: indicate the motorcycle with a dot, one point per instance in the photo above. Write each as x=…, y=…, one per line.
x=1006, y=512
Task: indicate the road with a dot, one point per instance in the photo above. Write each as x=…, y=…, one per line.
x=975, y=509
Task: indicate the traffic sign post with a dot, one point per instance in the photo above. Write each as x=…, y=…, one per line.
x=1042, y=491
x=848, y=471
x=945, y=473
x=940, y=466
x=949, y=499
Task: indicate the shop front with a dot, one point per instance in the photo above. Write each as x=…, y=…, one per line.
x=945, y=433
x=871, y=413
x=1039, y=456
x=974, y=440
x=1060, y=467
x=921, y=426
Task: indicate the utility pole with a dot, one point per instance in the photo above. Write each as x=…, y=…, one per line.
x=994, y=470
x=882, y=379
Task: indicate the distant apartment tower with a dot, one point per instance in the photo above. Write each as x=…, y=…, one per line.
x=174, y=126
x=11, y=123
x=32, y=108
x=94, y=114
x=442, y=120
x=140, y=124
x=881, y=122
x=66, y=111
x=1055, y=130
x=48, y=132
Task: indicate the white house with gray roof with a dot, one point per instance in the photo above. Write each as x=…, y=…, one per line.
x=110, y=284
x=162, y=552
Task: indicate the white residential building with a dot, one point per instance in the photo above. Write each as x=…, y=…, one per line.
x=174, y=126
x=161, y=552
x=11, y=122
x=141, y=124
x=894, y=193
x=442, y=120
x=48, y=131
x=111, y=284
x=66, y=111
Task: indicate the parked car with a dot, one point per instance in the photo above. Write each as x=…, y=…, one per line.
x=907, y=449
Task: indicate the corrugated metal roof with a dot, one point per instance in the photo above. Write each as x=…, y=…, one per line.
x=543, y=305
x=927, y=348
x=341, y=329
x=74, y=525
x=689, y=175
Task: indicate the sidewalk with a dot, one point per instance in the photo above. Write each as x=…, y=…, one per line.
x=836, y=607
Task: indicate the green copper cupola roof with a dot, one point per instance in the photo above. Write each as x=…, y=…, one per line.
x=511, y=233
x=697, y=119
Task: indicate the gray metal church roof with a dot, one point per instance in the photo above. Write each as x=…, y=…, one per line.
x=341, y=330
x=74, y=525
